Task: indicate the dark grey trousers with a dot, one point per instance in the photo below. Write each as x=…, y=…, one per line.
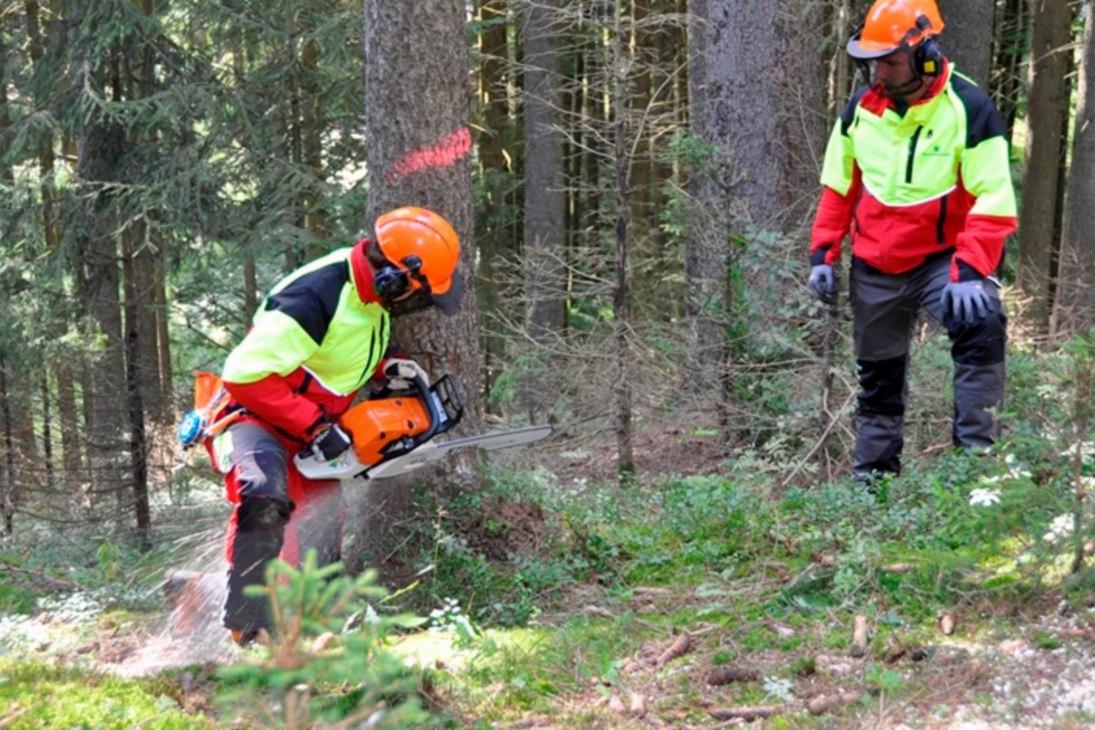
x=885, y=310
x=279, y=513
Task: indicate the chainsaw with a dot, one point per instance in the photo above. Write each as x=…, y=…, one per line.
x=395, y=434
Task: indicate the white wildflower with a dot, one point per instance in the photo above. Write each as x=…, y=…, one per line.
x=984, y=497
x=1060, y=528
x=779, y=688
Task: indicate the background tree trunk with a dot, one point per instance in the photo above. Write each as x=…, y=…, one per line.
x=416, y=114
x=100, y=149
x=497, y=153
x=708, y=236
x=967, y=39
x=624, y=133
x=1076, y=295
x=1011, y=43
x=1048, y=103
x=134, y=393
x=545, y=198
x=9, y=493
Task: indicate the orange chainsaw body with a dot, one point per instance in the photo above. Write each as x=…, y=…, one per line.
x=373, y=424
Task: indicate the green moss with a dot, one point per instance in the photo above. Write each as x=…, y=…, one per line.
x=47, y=696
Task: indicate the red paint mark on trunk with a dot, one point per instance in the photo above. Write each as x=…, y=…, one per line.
x=448, y=151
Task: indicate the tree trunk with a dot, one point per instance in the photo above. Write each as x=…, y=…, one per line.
x=9, y=494
x=1048, y=102
x=545, y=200
x=1011, y=48
x=968, y=37
x=100, y=148
x=71, y=458
x=148, y=375
x=47, y=432
x=138, y=442
x=312, y=122
x=620, y=132
x=45, y=145
x=496, y=152
x=163, y=341
x=417, y=114
x=709, y=226
x=1076, y=296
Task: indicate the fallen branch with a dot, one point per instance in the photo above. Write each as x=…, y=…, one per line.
x=599, y=611
x=726, y=675
x=678, y=648
x=743, y=713
x=783, y=632
x=46, y=581
x=859, y=636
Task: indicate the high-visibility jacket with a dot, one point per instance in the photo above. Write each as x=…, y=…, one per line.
x=918, y=181
x=319, y=336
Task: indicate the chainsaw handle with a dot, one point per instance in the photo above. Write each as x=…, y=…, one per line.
x=433, y=408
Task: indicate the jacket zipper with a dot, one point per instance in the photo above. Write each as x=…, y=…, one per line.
x=912, y=154
x=941, y=223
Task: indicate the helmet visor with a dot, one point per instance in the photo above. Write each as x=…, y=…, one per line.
x=862, y=50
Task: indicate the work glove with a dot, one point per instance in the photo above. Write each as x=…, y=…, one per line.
x=330, y=442
x=823, y=284
x=401, y=373
x=966, y=302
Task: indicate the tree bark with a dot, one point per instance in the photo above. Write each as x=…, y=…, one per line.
x=1011, y=49
x=709, y=226
x=9, y=495
x=163, y=341
x=545, y=199
x=1048, y=103
x=620, y=132
x=968, y=36
x=1075, y=311
x=313, y=123
x=134, y=367
x=100, y=147
x=47, y=432
x=496, y=155
x=45, y=144
x=417, y=115
x=766, y=53
x=71, y=457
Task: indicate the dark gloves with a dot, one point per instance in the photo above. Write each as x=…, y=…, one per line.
x=823, y=284
x=330, y=442
x=967, y=302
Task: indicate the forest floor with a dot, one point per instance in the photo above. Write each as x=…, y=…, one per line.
x=691, y=600
x=629, y=662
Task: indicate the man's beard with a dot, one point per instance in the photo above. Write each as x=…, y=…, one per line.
x=899, y=92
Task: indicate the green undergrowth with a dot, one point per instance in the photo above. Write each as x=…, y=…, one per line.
x=728, y=556
x=38, y=695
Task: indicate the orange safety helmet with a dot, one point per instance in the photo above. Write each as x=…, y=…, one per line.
x=423, y=250
x=895, y=24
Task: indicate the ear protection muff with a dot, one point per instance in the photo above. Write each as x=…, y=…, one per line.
x=929, y=57
x=929, y=54
x=393, y=282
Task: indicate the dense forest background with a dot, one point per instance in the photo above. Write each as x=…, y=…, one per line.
x=633, y=182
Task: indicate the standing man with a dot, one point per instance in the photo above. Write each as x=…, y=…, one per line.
x=917, y=170
x=321, y=335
